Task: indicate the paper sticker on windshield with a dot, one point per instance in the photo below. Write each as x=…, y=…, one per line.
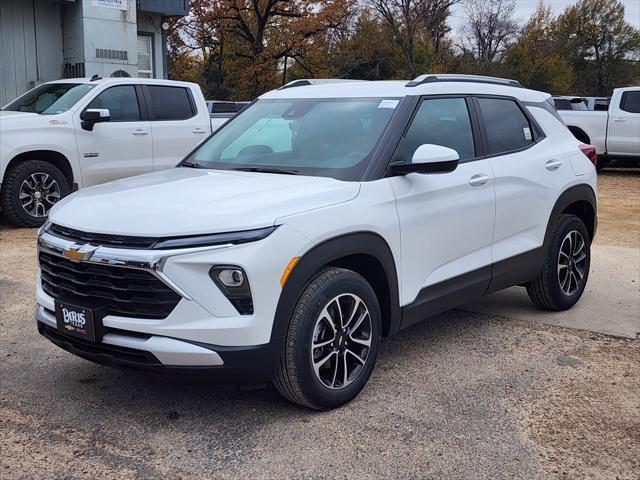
x=527, y=133
x=388, y=104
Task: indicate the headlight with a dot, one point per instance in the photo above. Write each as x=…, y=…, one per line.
x=233, y=283
x=45, y=226
x=233, y=238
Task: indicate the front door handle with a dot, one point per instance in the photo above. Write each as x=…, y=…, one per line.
x=553, y=165
x=199, y=130
x=479, y=180
x=620, y=119
x=139, y=131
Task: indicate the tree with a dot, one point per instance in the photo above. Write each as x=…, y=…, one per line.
x=533, y=59
x=489, y=29
x=594, y=36
x=268, y=31
x=409, y=19
x=201, y=33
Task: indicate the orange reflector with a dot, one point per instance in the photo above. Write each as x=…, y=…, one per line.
x=287, y=271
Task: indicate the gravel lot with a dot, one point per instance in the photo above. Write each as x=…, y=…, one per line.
x=463, y=395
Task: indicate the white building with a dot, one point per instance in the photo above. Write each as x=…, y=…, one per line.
x=43, y=40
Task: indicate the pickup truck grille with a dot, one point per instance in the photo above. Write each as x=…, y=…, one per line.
x=121, y=291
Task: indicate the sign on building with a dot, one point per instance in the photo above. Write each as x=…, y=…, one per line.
x=119, y=4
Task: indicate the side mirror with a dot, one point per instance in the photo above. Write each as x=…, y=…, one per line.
x=429, y=158
x=91, y=116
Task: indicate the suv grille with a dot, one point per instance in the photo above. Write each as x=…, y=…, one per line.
x=107, y=240
x=121, y=291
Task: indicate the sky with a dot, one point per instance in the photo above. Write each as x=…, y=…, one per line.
x=524, y=9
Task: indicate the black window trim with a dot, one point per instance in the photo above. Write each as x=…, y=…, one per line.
x=142, y=111
x=150, y=112
x=536, y=131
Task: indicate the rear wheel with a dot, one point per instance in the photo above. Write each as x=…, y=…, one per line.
x=30, y=190
x=564, y=275
x=332, y=341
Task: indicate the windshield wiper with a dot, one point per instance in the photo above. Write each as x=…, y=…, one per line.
x=190, y=164
x=267, y=170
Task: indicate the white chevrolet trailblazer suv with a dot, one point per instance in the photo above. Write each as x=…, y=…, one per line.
x=318, y=220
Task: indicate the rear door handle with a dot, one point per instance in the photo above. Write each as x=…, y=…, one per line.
x=199, y=130
x=553, y=165
x=139, y=131
x=479, y=180
x=619, y=119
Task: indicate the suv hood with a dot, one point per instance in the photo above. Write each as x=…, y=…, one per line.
x=187, y=201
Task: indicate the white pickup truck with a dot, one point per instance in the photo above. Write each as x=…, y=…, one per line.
x=616, y=132
x=75, y=133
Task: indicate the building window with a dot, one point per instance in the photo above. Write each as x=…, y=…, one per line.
x=145, y=56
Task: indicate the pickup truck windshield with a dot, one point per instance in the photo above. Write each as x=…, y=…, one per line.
x=309, y=136
x=50, y=98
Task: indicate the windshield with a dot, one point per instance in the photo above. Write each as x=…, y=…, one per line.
x=50, y=98
x=310, y=136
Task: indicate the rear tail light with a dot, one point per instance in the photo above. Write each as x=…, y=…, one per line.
x=589, y=151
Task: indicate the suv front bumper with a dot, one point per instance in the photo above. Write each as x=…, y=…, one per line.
x=204, y=331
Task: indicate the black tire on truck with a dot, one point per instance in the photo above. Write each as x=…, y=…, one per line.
x=29, y=191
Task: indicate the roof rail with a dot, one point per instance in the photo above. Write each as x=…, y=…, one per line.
x=315, y=81
x=432, y=78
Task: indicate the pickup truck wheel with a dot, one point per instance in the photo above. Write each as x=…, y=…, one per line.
x=332, y=341
x=29, y=191
x=564, y=275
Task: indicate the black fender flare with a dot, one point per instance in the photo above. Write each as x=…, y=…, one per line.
x=577, y=193
x=325, y=253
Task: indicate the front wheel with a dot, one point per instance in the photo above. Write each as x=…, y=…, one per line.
x=564, y=275
x=332, y=341
x=30, y=190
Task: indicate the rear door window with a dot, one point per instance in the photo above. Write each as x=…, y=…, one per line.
x=630, y=102
x=168, y=103
x=506, y=125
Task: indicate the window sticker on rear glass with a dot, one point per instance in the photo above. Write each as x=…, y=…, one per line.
x=527, y=133
x=388, y=104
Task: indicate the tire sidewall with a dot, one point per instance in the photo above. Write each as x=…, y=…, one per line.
x=312, y=388
x=11, y=190
x=567, y=225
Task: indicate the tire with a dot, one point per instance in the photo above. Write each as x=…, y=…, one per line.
x=324, y=387
x=43, y=183
x=564, y=275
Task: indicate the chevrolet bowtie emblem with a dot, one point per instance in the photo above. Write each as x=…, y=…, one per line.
x=79, y=253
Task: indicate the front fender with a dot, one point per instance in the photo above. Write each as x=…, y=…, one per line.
x=358, y=243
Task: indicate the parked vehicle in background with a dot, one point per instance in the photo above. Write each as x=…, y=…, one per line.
x=597, y=103
x=616, y=132
x=75, y=133
x=320, y=219
x=570, y=103
x=221, y=111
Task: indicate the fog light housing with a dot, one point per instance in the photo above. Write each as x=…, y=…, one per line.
x=233, y=283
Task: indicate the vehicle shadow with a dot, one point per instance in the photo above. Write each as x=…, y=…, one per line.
x=135, y=393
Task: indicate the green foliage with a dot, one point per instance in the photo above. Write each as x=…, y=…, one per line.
x=235, y=52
